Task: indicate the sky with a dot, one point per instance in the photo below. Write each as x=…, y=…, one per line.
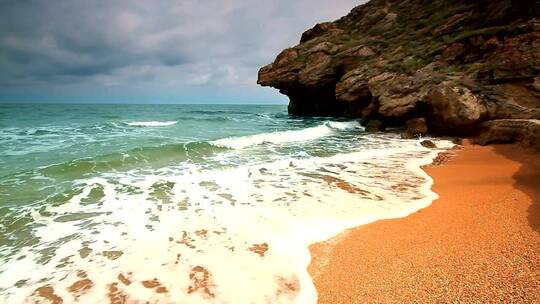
x=167, y=51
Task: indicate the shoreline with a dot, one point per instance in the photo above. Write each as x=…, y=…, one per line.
x=480, y=241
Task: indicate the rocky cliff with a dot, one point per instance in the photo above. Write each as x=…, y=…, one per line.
x=464, y=67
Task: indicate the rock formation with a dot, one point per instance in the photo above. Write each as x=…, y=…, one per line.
x=461, y=65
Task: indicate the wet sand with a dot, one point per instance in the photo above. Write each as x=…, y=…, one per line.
x=478, y=243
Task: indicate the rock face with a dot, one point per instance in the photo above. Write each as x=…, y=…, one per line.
x=374, y=126
x=416, y=128
x=526, y=131
x=455, y=63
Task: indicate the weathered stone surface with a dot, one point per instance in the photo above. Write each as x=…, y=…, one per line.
x=428, y=144
x=396, y=94
x=319, y=30
x=416, y=127
x=324, y=47
x=454, y=51
x=374, y=126
x=359, y=51
x=511, y=100
x=283, y=71
x=458, y=64
x=516, y=58
x=525, y=131
x=353, y=87
x=399, y=95
x=454, y=107
x=320, y=71
x=536, y=84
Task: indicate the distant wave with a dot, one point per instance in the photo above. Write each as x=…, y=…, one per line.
x=169, y=154
x=205, y=119
x=38, y=132
x=218, y=112
x=151, y=123
x=307, y=134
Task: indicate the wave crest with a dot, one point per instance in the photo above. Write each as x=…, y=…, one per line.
x=151, y=123
x=308, y=134
x=344, y=125
x=156, y=157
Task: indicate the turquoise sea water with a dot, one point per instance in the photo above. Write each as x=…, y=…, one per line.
x=185, y=196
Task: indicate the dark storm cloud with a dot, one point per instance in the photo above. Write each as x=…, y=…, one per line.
x=50, y=39
x=171, y=43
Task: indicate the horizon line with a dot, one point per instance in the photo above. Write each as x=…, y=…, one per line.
x=139, y=103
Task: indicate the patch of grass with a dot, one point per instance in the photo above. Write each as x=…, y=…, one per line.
x=451, y=70
x=447, y=39
x=373, y=31
x=413, y=64
x=488, y=31
x=409, y=65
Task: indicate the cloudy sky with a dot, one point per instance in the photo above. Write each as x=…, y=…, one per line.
x=186, y=51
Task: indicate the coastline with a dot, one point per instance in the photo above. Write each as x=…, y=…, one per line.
x=480, y=241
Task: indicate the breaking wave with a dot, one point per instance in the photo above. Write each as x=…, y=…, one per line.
x=302, y=135
x=151, y=123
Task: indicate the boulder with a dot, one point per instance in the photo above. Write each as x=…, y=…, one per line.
x=455, y=109
x=374, y=126
x=524, y=131
x=428, y=144
x=416, y=127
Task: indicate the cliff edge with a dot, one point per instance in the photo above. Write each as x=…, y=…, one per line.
x=465, y=68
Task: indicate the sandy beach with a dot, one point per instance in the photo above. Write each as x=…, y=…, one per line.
x=478, y=243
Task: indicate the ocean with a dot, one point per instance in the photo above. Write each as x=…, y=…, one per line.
x=187, y=203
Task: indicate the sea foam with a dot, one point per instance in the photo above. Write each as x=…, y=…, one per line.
x=151, y=123
x=302, y=135
x=229, y=235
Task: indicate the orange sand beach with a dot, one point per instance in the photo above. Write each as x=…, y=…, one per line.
x=478, y=243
